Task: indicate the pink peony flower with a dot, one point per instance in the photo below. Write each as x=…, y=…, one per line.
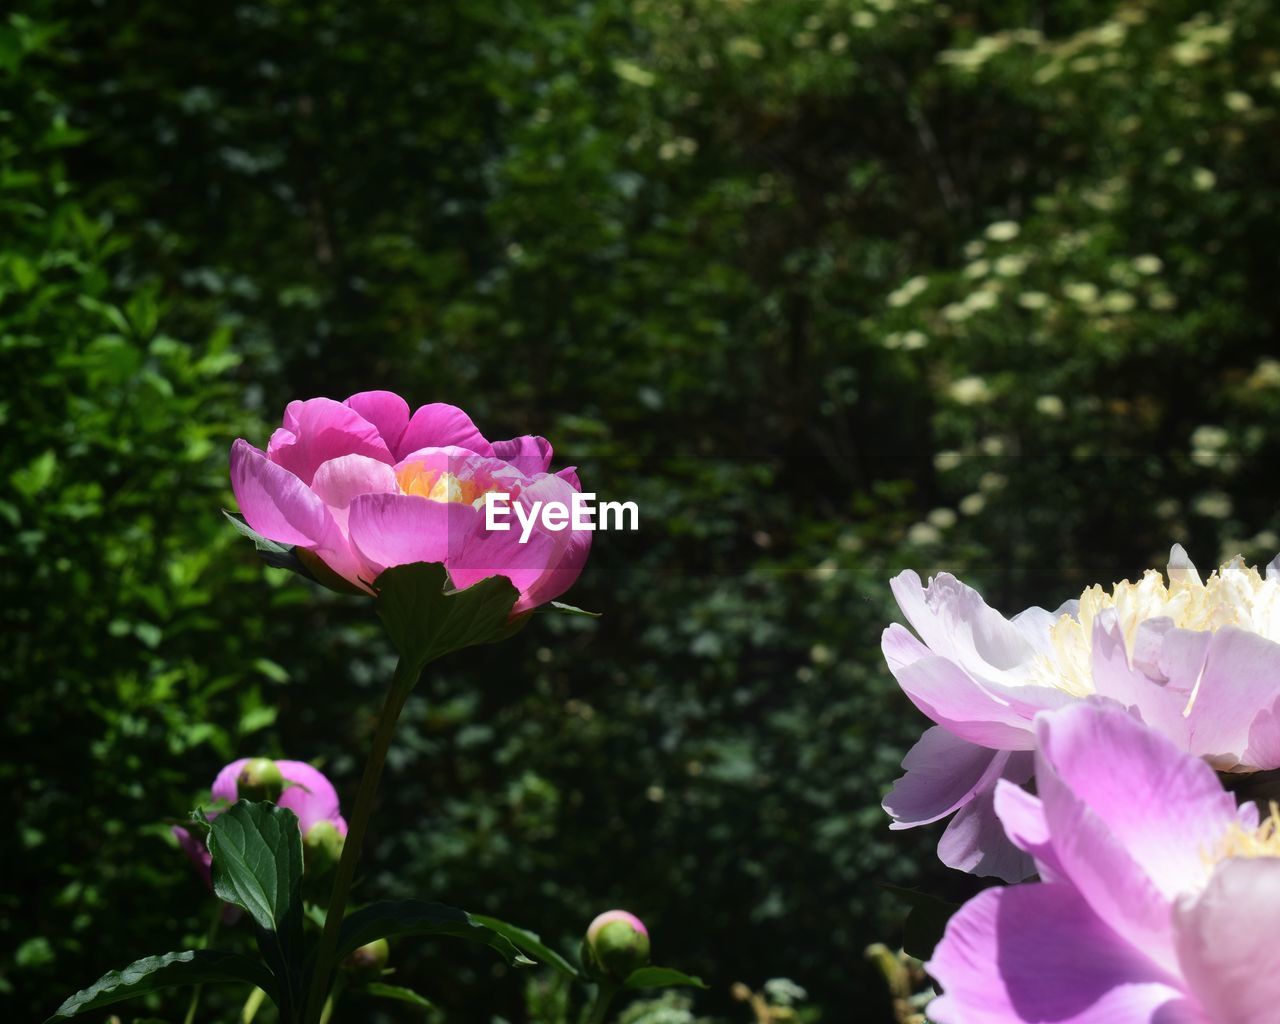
x=364, y=486
x=1197, y=660
x=1160, y=899
x=307, y=793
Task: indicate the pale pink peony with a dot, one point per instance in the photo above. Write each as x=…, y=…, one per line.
x=1197, y=660
x=1160, y=899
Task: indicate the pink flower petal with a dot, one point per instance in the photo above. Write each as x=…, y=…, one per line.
x=975, y=841
x=1229, y=938
x=1022, y=816
x=1263, y=751
x=1096, y=770
x=1159, y=705
x=441, y=426
x=309, y=795
x=943, y=774
x=956, y=623
x=386, y=410
x=1241, y=677
x=487, y=553
x=949, y=696
x=274, y=501
x=1036, y=954
x=339, y=481
x=564, y=552
x=224, y=786
x=321, y=429
x=400, y=529
x=529, y=454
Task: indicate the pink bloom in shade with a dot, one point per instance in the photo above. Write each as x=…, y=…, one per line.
x=364, y=486
x=1160, y=899
x=307, y=793
x=1197, y=660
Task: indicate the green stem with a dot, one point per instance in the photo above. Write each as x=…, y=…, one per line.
x=209, y=935
x=252, y=1005
x=401, y=684
x=605, y=992
x=332, y=1001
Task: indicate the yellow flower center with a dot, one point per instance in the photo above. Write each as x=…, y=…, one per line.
x=437, y=485
x=1264, y=841
x=1234, y=595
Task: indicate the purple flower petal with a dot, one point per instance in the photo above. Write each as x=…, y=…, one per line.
x=953, y=699
x=441, y=426
x=1036, y=954
x=274, y=501
x=529, y=454
x=386, y=410
x=1022, y=816
x=943, y=774
x=321, y=429
x=310, y=795
x=1097, y=771
x=399, y=529
x=975, y=840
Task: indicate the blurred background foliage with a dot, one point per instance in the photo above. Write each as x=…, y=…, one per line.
x=831, y=288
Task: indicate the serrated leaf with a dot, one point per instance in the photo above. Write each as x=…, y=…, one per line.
x=171, y=970
x=397, y=992
x=926, y=921
x=257, y=865
x=426, y=618
x=661, y=977
x=530, y=943
x=388, y=919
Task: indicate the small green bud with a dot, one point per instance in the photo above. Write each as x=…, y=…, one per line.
x=616, y=944
x=369, y=961
x=322, y=848
x=260, y=779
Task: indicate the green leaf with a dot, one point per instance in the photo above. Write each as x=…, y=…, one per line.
x=661, y=977
x=194, y=967
x=397, y=992
x=568, y=609
x=926, y=921
x=426, y=618
x=299, y=560
x=278, y=556
x=257, y=865
x=388, y=919
x=530, y=943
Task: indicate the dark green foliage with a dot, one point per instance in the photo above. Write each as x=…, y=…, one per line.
x=172, y=970
x=830, y=289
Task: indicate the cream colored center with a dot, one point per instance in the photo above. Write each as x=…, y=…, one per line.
x=1234, y=595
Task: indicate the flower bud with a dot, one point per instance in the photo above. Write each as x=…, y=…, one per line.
x=259, y=779
x=616, y=944
x=368, y=961
x=322, y=847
